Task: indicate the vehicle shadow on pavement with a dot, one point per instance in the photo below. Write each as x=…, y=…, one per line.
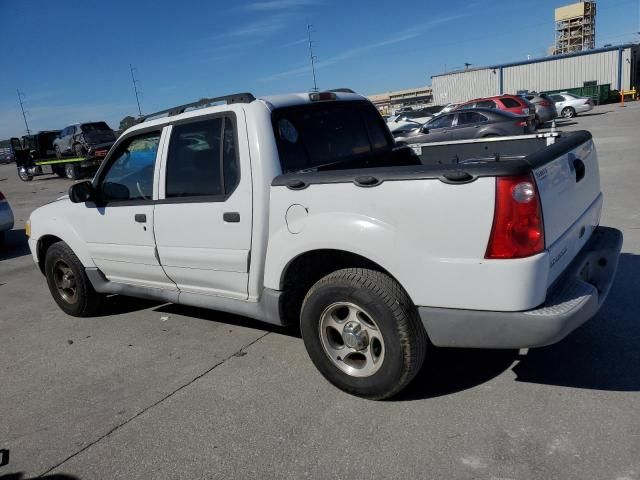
x=15, y=245
x=603, y=354
x=562, y=124
x=600, y=355
x=119, y=304
x=450, y=370
x=55, y=476
x=228, y=319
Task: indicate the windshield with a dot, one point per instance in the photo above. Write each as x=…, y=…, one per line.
x=321, y=134
x=95, y=127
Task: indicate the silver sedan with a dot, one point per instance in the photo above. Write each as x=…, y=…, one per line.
x=569, y=105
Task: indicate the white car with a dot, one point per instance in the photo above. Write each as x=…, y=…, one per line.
x=302, y=209
x=6, y=218
x=569, y=105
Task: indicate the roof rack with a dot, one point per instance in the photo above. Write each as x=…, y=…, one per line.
x=228, y=99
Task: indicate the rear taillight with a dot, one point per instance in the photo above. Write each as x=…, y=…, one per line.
x=517, y=229
x=521, y=123
x=545, y=104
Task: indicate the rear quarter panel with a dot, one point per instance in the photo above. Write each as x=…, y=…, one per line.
x=429, y=235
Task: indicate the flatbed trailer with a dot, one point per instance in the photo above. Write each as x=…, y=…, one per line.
x=30, y=164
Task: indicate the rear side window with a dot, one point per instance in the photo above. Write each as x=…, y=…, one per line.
x=202, y=159
x=467, y=118
x=486, y=104
x=510, y=102
x=321, y=134
x=557, y=98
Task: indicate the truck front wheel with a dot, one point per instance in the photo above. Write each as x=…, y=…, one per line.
x=363, y=333
x=68, y=282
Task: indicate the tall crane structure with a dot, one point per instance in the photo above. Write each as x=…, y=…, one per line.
x=575, y=27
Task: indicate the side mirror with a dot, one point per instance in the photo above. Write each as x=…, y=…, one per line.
x=81, y=192
x=424, y=130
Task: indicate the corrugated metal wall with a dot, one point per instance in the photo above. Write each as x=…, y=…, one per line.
x=567, y=73
x=540, y=76
x=462, y=86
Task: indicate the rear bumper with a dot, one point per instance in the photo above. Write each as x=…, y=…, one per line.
x=574, y=298
x=546, y=114
x=6, y=217
x=587, y=107
x=95, y=149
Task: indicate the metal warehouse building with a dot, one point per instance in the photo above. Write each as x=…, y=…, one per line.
x=615, y=65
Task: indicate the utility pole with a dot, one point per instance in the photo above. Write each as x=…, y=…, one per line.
x=135, y=89
x=313, y=58
x=24, y=115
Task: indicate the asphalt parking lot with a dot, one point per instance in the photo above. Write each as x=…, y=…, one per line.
x=162, y=391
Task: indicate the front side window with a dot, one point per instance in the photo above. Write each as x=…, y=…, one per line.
x=130, y=172
x=442, y=121
x=202, y=159
x=470, y=118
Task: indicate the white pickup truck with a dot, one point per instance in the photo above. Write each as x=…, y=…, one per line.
x=301, y=208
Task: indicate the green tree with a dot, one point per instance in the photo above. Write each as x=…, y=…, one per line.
x=127, y=122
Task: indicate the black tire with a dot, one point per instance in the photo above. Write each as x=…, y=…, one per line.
x=396, y=319
x=568, y=112
x=58, y=153
x=24, y=175
x=59, y=171
x=85, y=301
x=71, y=171
x=79, y=150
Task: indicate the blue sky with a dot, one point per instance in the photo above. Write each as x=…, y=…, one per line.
x=71, y=58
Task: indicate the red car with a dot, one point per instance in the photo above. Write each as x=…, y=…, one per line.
x=507, y=103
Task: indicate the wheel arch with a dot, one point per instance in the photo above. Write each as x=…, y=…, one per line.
x=70, y=237
x=44, y=243
x=306, y=268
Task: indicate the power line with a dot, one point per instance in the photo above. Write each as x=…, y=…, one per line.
x=135, y=89
x=24, y=115
x=313, y=58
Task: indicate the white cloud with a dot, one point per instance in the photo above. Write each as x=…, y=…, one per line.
x=348, y=54
x=273, y=5
x=258, y=28
x=296, y=42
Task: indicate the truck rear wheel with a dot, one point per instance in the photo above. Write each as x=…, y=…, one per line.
x=363, y=333
x=68, y=282
x=59, y=171
x=71, y=171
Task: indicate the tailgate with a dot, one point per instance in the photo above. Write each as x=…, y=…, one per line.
x=569, y=187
